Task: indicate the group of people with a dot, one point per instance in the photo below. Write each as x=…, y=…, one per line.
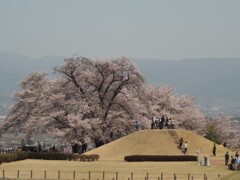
x=183, y=145
x=158, y=123
x=234, y=163
x=162, y=123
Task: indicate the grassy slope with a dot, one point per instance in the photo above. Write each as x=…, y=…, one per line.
x=197, y=142
x=153, y=142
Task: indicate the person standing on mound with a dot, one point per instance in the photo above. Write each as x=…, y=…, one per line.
x=180, y=142
x=185, y=147
x=237, y=154
x=214, y=149
x=226, y=158
x=137, y=125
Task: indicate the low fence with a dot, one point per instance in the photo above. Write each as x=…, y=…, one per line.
x=77, y=175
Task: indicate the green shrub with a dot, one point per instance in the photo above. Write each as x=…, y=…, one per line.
x=211, y=132
x=47, y=156
x=160, y=158
x=33, y=155
x=91, y=157
x=22, y=155
x=83, y=157
x=13, y=157
x=74, y=157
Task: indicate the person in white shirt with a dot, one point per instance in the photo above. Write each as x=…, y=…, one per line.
x=185, y=147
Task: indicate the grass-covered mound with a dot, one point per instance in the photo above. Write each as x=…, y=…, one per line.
x=154, y=142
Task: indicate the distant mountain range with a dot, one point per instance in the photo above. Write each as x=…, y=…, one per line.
x=14, y=67
x=215, y=82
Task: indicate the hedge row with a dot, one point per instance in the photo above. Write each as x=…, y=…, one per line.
x=13, y=157
x=47, y=156
x=134, y=158
x=83, y=157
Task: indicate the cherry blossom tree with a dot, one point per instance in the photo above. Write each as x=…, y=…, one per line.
x=95, y=99
x=221, y=129
x=88, y=96
x=107, y=86
x=27, y=98
x=4, y=108
x=181, y=109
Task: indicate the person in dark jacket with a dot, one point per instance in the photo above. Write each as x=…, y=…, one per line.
x=214, y=149
x=232, y=165
x=180, y=143
x=226, y=158
x=236, y=154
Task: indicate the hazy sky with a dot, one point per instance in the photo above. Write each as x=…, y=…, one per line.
x=170, y=29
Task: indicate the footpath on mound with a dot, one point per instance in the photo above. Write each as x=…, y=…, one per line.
x=155, y=142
